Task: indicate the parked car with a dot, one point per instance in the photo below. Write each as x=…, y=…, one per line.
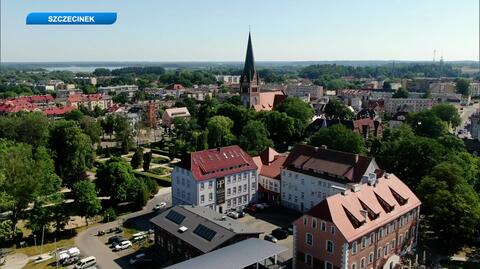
x=289, y=229
x=159, y=206
x=251, y=208
x=280, y=233
x=115, y=239
x=137, y=257
x=139, y=234
x=270, y=238
x=123, y=245
x=139, y=238
x=100, y=233
x=232, y=214
x=85, y=263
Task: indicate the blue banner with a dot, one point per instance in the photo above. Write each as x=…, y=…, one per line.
x=74, y=18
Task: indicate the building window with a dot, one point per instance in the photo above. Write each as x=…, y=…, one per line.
x=354, y=266
x=379, y=253
x=253, y=185
x=228, y=180
x=244, y=187
x=202, y=199
x=364, y=242
x=309, y=239
x=234, y=190
x=229, y=203
x=372, y=238
x=385, y=250
x=314, y=223
x=323, y=226
x=305, y=221
x=354, y=248
x=202, y=186
x=332, y=230
x=228, y=192
x=308, y=259
x=210, y=196
x=362, y=263
x=328, y=265
x=370, y=257
x=329, y=246
x=394, y=242
x=240, y=189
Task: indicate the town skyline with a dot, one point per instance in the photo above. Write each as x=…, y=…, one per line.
x=209, y=33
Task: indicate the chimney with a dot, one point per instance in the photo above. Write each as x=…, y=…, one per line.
x=365, y=214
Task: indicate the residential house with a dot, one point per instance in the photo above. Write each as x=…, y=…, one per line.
x=311, y=174
x=222, y=179
x=270, y=164
x=171, y=113
x=184, y=232
x=366, y=226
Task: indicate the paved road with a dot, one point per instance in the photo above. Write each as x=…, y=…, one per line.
x=90, y=245
x=465, y=114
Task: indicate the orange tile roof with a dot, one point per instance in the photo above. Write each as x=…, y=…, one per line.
x=389, y=189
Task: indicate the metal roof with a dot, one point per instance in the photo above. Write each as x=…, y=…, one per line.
x=236, y=256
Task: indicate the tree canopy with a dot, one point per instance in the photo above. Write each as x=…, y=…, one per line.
x=338, y=137
x=254, y=138
x=335, y=109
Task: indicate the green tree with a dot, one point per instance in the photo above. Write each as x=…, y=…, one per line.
x=335, y=109
x=401, y=93
x=25, y=177
x=121, y=98
x=238, y=114
x=451, y=206
x=297, y=109
x=86, y=201
x=463, y=87
x=448, y=113
x=30, y=128
x=92, y=128
x=73, y=151
x=123, y=133
x=207, y=109
x=115, y=179
x=338, y=137
x=102, y=72
x=281, y=128
x=38, y=218
x=74, y=115
x=137, y=158
x=108, y=124
x=88, y=89
x=387, y=86
x=147, y=158
x=254, y=138
x=219, y=131
x=427, y=123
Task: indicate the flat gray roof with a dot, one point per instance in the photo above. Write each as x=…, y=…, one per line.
x=236, y=256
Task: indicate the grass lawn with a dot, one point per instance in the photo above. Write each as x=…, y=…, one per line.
x=161, y=180
x=158, y=171
x=459, y=264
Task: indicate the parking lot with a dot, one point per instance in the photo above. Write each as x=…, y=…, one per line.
x=270, y=219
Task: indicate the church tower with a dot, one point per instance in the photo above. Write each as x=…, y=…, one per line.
x=249, y=81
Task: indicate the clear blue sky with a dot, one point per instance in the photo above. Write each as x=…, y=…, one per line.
x=216, y=30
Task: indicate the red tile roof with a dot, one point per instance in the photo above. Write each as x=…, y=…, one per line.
x=267, y=100
x=57, y=111
x=16, y=106
x=270, y=163
x=218, y=162
x=347, y=211
x=309, y=159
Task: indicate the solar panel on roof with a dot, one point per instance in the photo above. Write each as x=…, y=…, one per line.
x=204, y=232
x=174, y=216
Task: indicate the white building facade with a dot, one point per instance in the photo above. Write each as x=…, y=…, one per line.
x=312, y=174
x=222, y=179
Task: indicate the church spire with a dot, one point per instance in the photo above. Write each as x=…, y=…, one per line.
x=249, y=71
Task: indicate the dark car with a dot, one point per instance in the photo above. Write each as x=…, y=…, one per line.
x=251, y=208
x=101, y=232
x=115, y=239
x=280, y=233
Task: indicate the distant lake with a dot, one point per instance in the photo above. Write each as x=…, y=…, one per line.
x=80, y=68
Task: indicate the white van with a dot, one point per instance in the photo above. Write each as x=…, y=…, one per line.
x=85, y=263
